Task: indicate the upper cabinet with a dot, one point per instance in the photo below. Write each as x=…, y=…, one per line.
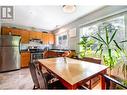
x=10, y=31
x=35, y=35
x=16, y=32
x=51, y=38
x=47, y=38
x=25, y=36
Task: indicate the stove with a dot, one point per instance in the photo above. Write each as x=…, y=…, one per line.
x=35, y=49
x=36, y=53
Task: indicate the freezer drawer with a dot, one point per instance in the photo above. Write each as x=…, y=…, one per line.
x=9, y=58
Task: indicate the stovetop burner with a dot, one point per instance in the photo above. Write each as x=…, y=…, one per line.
x=36, y=50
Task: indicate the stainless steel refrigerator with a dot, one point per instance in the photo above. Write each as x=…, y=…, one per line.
x=9, y=53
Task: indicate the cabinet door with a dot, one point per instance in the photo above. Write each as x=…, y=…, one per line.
x=51, y=38
x=12, y=31
x=45, y=38
x=38, y=35
x=15, y=32
x=25, y=59
x=24, y=36
x=5, y=31
x=31, y=35
x=35, y=35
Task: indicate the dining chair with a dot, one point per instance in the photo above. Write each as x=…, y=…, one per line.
x=70, y=54
x=32, y=67
x=94, y=81
x=66, y=53
x=109, y=80
x=49, y=54
x=43, y=80
x=33, y=75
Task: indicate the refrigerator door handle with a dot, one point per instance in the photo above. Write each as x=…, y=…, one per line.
x=19, y=46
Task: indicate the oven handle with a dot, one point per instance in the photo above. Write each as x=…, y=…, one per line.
x=35, y=56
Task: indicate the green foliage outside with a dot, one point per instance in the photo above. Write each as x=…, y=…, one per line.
x=86, y=44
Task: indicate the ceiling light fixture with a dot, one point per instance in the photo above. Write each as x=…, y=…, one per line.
x=69, y=8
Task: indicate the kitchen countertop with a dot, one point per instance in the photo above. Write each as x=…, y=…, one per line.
x=62, y=49
x=24, y=51
x=55, y=50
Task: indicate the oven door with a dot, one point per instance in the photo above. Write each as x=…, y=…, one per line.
x=35, y=56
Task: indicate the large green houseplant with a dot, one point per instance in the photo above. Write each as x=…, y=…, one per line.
x=123, y=64
x=105, y=44
x=115, y=52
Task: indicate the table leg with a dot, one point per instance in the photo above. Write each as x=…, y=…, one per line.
x=72, y=88
x=102, y=79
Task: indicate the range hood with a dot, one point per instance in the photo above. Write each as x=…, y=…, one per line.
x=34, y=40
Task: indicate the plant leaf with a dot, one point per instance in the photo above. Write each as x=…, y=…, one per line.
x=113, y=35
x=96, y=38
x=117, y=45
x=100, y=47
x=107, y=36
x=123, y=41
x=101, y=39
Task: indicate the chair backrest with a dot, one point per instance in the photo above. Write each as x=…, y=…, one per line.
x=37, y=75
x=69, y=53
x=33, y=75
x=49, y=54
x=89, y=59
x=66, y=53
x=40, y=76
x=108, y=81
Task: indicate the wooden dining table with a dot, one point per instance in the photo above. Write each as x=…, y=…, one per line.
x=72, y=72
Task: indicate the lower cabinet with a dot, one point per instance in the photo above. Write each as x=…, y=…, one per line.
x=25, y=59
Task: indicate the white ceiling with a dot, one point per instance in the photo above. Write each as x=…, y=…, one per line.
x=47, y=17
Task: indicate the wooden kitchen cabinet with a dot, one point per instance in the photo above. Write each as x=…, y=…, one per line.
x=38, y=35
x=10, y=31
x=51, y=38
x=24, y=36
x=5, y=30
x=45, y=38
x=16, y=32
x=32, y=34
x=35, y=35
x=48, y=38
x=25, y=59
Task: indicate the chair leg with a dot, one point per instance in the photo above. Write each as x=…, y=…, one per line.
x=90, y=84
x=35, y=87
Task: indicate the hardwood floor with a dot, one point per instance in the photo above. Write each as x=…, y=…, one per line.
x=19, y=80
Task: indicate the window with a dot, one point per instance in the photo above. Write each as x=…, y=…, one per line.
x=93, y=29
x=62, y=41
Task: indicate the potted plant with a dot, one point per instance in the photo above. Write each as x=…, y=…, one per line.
x=108, y=51
x=123, y=64
x=114, y=51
